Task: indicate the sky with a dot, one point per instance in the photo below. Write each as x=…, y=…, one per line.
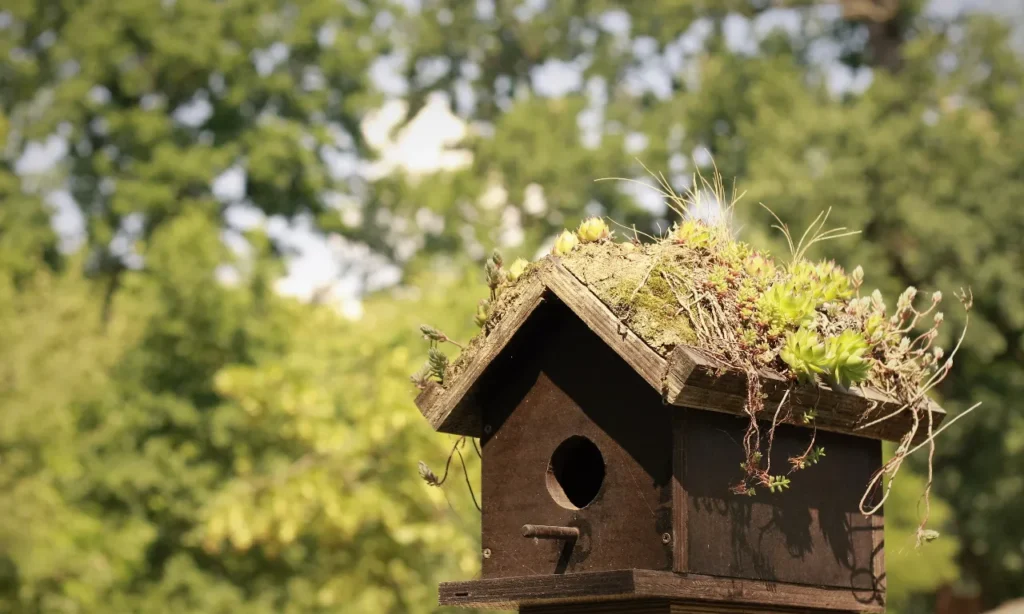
x=427, y=144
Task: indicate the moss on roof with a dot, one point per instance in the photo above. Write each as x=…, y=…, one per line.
x=630, y=280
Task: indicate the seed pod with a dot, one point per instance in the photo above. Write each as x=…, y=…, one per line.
x=428, y=476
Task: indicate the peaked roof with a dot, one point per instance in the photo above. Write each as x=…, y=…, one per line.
x=685, y=378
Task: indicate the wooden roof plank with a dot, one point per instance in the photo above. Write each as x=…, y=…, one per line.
x=453, y=410
x=708, y=387
x=596, y=315
x=688, y=378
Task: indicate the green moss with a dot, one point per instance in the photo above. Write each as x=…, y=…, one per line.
x=653, y=311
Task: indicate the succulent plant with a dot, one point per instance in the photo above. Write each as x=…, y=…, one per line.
x=874, y=328
x=906, y=299
x=592, y=230
x=786, y=304
x=432, y=334
x=435, y=336
x=835, y=285
x=566, y=242
x=421, y=377
x=857, y=277
x=824, y=282
x=758, y=266
x=748, y=337
x=493, y=273
x=811, y=458
x=437, y=363
x=778, y=483
x=805, y=354
x=694, y=233
x=877, y=303
x=483, y=313
x=718, y=279
x=517, y=268
x=845, y=356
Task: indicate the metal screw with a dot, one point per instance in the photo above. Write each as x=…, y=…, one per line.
x=487, y=429
x=487, y=553
x=666, y=538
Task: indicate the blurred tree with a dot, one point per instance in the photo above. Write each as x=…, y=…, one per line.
x=119, y=453
x=218, y=448
x=26, y=237
x=153, y=101
x=169, y=468
x=912, y=571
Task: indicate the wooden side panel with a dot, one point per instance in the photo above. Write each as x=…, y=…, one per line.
x=878, y=549
x=680, y=499
x=565, y=383
x=812, y=533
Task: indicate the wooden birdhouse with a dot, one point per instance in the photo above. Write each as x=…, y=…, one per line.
x=608, y=467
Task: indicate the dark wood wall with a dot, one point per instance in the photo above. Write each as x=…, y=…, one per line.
x=557, y=380
x=812, y=533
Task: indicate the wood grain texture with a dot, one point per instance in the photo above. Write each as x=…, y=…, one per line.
x=878, y=549
x=812, y=533
x=706, y=385
x=638, y=584
x=680, y=498
x=454, y=409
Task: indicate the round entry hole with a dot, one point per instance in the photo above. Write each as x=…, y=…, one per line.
x=575, y=473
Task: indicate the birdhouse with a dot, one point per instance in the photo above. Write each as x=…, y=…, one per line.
x=607, y=471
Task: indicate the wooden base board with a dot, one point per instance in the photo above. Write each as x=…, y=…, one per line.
x=662, y=606
x=685, y=593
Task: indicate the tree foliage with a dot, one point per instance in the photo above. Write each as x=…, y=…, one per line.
x=174, y=438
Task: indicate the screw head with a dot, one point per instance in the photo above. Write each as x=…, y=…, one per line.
x=666, y=538
x=487, y=429
x=487, y=553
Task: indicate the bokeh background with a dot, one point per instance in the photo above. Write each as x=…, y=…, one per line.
x=221, y=223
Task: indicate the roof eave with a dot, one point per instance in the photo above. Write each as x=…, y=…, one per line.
x=686, y=378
